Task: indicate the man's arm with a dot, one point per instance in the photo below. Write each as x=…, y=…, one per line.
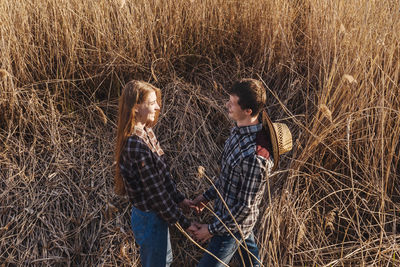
x=211, y=193
x=201, y=200
x=252, y=179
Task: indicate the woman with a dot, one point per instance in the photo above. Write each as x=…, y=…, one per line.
x=142, y=173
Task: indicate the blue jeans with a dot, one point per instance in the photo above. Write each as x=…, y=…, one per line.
x=152, y=235
x=225, y=248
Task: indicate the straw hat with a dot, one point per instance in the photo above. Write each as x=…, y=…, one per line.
x=281, y=139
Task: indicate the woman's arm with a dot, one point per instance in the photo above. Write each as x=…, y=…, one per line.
x=156, y=193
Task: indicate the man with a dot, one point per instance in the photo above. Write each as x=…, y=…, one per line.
x=245, y=165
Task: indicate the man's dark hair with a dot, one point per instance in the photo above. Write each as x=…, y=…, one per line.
x=251, y=94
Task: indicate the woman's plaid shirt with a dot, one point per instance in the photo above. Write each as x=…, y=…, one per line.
x=245, y=166
x=147, y=179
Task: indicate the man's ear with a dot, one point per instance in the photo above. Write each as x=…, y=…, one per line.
x=248, y=111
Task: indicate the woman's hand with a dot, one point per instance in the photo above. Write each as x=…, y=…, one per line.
x=186, y=205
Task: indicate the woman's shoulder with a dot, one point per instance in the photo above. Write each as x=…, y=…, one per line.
x=136, y=143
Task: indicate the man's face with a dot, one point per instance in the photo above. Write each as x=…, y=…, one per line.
x=235, y=112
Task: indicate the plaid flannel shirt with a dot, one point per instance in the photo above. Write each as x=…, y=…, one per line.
x=245, y=166
x=147, y=179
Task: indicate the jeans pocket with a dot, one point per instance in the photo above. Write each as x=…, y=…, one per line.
x=140, y=225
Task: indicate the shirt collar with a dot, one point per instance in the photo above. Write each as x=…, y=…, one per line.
x=140, y=132
x=147, y=135
x=247, y=129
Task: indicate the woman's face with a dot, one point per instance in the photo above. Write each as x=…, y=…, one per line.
x=146, y=112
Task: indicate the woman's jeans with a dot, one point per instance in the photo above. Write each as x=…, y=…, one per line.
x=225, y=248
x=152, y=235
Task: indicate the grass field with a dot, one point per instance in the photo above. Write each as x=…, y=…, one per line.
x=331, y=69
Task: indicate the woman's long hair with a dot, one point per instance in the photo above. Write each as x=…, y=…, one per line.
x=134, y=93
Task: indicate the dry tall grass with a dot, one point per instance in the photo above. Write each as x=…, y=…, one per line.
x=332, y=71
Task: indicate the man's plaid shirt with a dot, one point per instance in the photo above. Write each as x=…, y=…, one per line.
x=245, y=166
x=147, y=179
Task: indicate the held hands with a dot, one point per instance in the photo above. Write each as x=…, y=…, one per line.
x=199, y=232
x=199, y=203
x=196, y=230
x=202, y=234
x=192, y=228
x=186, y=205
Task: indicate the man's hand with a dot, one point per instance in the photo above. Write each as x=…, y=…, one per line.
x=202, y=234
x=186, y=205
x=199, y=203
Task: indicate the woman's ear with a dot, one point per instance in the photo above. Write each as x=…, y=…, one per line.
x=134, y=112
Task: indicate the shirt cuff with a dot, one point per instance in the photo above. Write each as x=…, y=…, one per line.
x=208, y=195
x=179, y=197
x=212, y=228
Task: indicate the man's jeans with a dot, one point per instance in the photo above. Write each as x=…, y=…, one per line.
x=225, y=248
x=152, y=235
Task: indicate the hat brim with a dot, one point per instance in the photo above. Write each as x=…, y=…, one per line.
x=274, y=142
